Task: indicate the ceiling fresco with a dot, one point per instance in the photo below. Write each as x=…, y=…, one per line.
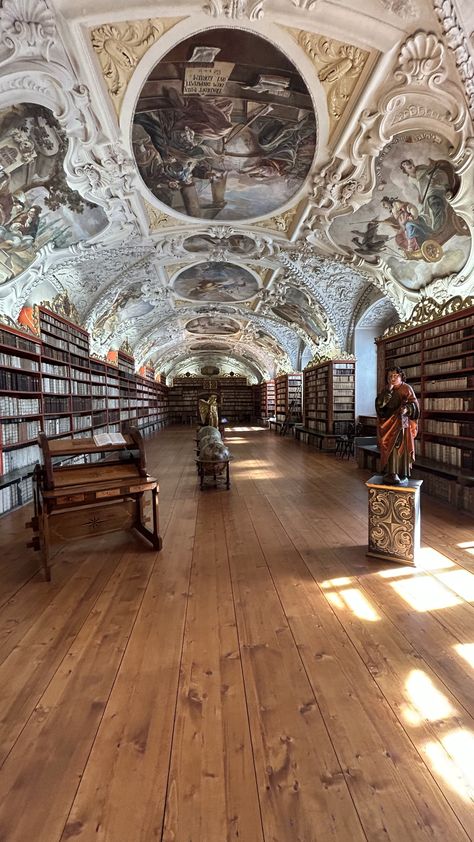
x=216, y=282
x=37, y=206
x=410, y=221
x=224, y=127
x=239, y=185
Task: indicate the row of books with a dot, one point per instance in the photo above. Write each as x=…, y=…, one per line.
x=19, y=342
x=451, y=404
x=56, y=426
x=16, y=494
x=449, y=365
x=15, y=432
x=443, y=428
x=446, y=385
x=447, y=327
x=20, y=458
x=55, y=386
x=24, y=363
x=444, y=453
x=57, y=370
x=13, y=381
x=10, y=405
x=444, y=351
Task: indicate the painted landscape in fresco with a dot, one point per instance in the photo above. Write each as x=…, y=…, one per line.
x=209, y=325
x=409, y=221
x=36, y=204
x=216, y=281
x=224, y=127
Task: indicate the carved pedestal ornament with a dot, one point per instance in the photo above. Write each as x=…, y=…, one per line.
x=394, y=521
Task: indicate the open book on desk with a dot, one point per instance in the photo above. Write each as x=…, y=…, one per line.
x=101, y=439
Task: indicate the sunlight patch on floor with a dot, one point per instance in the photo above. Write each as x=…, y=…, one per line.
x=430, y=559
x=425, y=594
x=468, y=546
x=466, y=651
x=340, y=594
x=426, y=701
x=453, y=758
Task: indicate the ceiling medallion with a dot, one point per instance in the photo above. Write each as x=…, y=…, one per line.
x=219, y=138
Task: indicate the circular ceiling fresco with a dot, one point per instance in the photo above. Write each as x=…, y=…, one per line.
x=224, y=127
x=216, y=281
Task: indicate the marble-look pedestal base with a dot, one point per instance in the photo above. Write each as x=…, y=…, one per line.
x=394, y=520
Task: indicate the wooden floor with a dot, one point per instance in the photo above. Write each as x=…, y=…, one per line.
x=256, y=681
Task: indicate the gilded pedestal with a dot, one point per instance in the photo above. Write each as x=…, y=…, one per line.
x=394, y=520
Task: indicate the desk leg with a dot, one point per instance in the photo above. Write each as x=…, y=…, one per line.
x=156, y=519
x=227, y=476
x=44, y=542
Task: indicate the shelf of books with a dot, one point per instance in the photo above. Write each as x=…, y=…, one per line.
x=289, y=397
x=329, y=397
x=20, y=414
x=51, y=384
x=438, y=360
x=264, y=400
x=235, y=398
x=236, y=401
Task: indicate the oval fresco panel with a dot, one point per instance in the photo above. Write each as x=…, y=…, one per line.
x=409, y=221
x=216, y=282
x=203, y=243
x=210, y=346
x=224, y=127
x=209, y=325
x=37, y=206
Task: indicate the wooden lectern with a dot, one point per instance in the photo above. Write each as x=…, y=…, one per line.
x=99, y=495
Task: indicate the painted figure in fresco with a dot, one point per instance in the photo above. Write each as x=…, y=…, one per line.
x=413, y=230
x=434, y=182
x=397, y=411
x=208, y=411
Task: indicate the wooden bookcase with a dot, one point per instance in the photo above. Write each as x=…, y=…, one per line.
x=438, y=359
x=51, y=384
x=329, y=397
x=289, y=390
x=264, y=400
x=235, y=398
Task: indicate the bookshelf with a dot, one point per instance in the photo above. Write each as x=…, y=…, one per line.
x=438, y=359
x=289, y=390
x=329, y=397
x=264, y=400
x=235, y=398
x=52, y=384
x=20, y=414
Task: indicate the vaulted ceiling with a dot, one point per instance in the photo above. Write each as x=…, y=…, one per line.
x=240, y=183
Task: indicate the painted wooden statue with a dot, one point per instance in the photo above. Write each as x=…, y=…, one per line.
x=397, y=411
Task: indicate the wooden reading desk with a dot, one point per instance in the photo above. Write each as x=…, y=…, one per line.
x=74, y=501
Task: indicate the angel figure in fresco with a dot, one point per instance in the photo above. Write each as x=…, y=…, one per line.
x=208, y=411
